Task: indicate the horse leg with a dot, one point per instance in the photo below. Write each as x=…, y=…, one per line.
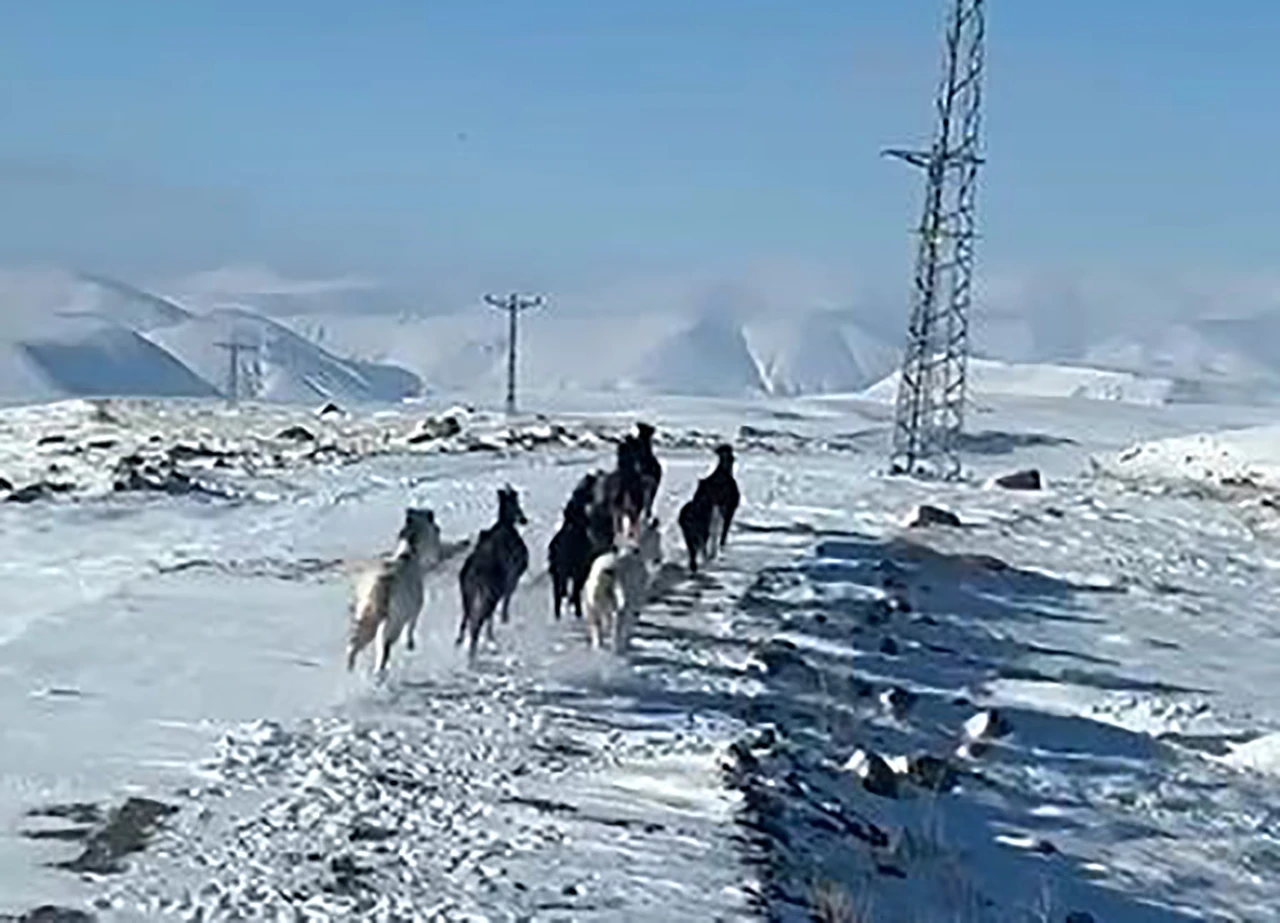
x=475, y=640
x=557, y=593
x=466, y=618
x=411, y=630
x=382, y=649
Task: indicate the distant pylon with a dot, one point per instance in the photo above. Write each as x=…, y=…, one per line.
x=235, y=347
x=931, y=393
x=513, y=304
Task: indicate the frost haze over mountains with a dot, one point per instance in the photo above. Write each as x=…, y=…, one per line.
x=351, y=338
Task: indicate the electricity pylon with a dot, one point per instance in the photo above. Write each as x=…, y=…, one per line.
x=235, y=347
x=931, y=392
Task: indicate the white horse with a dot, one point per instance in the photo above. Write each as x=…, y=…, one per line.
x=389, y=595
x=617, y=586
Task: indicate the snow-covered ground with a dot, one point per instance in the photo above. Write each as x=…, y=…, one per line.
x=189, y=649
x=989, y=377
x=1245, y=457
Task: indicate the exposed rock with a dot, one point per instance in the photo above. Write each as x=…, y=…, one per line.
x=932, y=773
x=889, y=647
x=898, y=701
x=781, y=657
x=161, y=475
x=40, y=490
x=296, y=434
x=125, y=829
x=926, y=515
x=183, y=452
x=50, y=913
x=6, y=485
x=433, y=428
x=879, y=612
x=52, y=439
x=987, y=725
x=330, y=410
x=1079, y=916
x=876, y=776
x=1028, y=479
x=738, y=762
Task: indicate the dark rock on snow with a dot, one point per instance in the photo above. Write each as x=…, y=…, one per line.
x=926, y=515
x=296, y=434
x=1020, y=480
x=932, y=773
x=49, y=913
x=40, y=490
x=876, y=775
x=126, y=829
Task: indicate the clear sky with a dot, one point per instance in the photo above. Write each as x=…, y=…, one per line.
x=557, y=141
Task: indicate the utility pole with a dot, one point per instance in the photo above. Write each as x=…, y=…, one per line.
x=931, y=393
x=514, y=305
x=235, y=347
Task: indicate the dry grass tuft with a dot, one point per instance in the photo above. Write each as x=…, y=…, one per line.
x=832, y=904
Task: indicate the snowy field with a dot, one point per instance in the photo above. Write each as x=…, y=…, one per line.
x=186, y=646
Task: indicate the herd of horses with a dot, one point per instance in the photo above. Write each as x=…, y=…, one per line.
x=600, y=560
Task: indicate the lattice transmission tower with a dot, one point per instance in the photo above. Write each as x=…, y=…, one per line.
x=931, y=393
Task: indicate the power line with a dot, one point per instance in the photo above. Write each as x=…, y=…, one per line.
x=514, y=305
x=931, y=393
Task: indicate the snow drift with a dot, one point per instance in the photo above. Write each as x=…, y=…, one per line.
x=1247, y=457
x=988, y=377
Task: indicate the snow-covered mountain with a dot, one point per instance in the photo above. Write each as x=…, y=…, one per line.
x=291, y=368
x=73, y=334
x=29, y=298
x=350, y=339
x=88, y=356
x=704, y=353
x=823, y=351
x=1211, y=360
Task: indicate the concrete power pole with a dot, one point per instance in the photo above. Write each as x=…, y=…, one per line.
x=514, y=305
x=931, y=393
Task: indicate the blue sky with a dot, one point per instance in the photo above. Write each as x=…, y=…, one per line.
x=555, y=142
